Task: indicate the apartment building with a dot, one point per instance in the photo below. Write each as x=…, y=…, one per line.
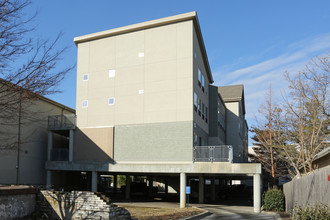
x=145, y=106
x=24, y=134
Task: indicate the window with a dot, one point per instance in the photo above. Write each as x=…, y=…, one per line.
x=199, y=77
x=112, y=73
x=195, y=101
x=111, y=101
x=141, y=91
x=141, y=54
x=85, y=77
x=203, y=111
x=203, y=83
x=206, y=114
x=199, y=106
x=195, y=55
x=195, y=139
x=85, y=103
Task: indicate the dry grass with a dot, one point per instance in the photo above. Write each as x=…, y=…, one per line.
x=144, y=213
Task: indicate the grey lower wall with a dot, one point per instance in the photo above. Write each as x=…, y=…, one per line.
x=155, y=142
x=16, y=206
x=308, y=190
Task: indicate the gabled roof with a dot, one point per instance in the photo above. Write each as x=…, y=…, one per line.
x=40, y=97
x=234, y=93
x=150, y=24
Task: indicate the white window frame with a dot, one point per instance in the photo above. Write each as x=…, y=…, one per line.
x=85, y=103
x=112, y=73
x=111, y=98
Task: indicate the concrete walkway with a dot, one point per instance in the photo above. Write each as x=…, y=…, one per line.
x=223, y=212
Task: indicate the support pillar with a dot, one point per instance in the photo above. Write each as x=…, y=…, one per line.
x=71, y=137
x=94, y=181
x=150, y=186
x=128, y=187
x=201, y=189
x=256, y=193
x=48, y=180
x=182, y=190
x=50, y=145
x=166, y=187
x=114, y=183
x=212, y=189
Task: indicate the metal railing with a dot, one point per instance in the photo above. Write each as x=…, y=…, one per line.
x=222, y=153
x=59, y=154
x=67, y=121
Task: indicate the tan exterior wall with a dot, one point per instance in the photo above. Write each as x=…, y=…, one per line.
x=199, y=65
x=153, y=79
x=33, y=147
x=234, y=126
x=93, y=144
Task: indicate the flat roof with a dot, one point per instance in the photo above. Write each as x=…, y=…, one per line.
x=151, y=24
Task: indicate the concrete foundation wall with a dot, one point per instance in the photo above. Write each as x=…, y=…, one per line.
x=159, y=142
x=17, y=202
x=309, y=189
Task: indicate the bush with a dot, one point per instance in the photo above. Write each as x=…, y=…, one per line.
x=273, y=200
x=319, y=212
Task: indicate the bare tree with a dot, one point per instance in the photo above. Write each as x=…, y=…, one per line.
x=28, y=66
x=269, y=138
x=307, y=114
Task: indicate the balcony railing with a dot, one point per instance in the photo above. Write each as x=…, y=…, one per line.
x=59, y=154
x=223, y=153
x=57, y=122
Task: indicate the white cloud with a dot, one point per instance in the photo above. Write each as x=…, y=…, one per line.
x=257, y=77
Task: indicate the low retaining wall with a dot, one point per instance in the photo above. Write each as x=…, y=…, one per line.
x=17, y=202
x=309, y=189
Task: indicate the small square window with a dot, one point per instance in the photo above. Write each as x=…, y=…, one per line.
x=111, y=101
x=141, y=54
x=85, y=103
x=85, y=77
x=112, y=73
x=141, y=91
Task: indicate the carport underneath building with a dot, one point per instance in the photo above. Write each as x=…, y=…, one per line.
x=178, y=176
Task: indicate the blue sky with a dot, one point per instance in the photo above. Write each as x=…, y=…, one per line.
x=248, y=42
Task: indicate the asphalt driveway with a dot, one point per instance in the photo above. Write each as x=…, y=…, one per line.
x=225, y=212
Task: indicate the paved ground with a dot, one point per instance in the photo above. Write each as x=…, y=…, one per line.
x=223, y=212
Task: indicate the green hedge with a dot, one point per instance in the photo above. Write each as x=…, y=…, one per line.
x=319, y=212
x=273, y=200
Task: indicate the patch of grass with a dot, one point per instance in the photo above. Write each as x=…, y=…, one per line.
x=145, y=213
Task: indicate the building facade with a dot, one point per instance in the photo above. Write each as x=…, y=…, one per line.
x=145, y=105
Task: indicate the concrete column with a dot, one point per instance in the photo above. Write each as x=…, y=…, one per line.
x=128, y=187
x=182, y=190
x=166, y=187
x=50, y=144
x=212, y=189
x=114, y=183
x=94, y=181
x=49, y=179
x=256, y=193
x=71, y=145
x=150, y=185
x=201, y=189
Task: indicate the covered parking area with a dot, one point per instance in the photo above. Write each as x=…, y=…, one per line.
x=183, y=171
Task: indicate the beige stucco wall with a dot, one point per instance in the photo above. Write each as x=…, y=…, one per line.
x=153, y=80
x=93, y=144
x=198, y=63
x=234, y=122
x=33, y=148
